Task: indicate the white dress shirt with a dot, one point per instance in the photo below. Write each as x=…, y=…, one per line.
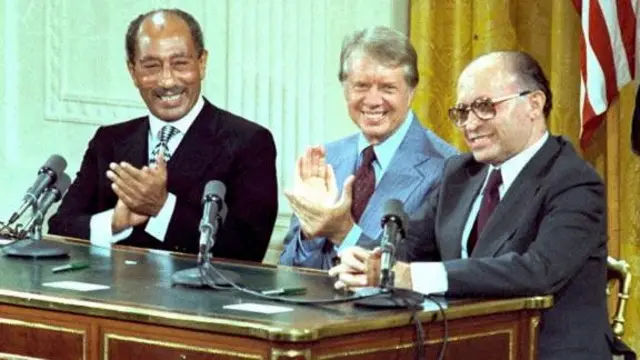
x=100, y=223
x=431, y=277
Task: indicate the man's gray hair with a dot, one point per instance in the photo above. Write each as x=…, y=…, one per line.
x=387, y=46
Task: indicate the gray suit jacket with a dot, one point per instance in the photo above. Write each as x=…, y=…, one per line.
x=412, y=173
x=546, y=236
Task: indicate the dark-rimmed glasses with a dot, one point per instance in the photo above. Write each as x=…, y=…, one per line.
x=483, y=108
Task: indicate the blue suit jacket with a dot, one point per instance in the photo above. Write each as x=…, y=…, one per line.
x=414, y=169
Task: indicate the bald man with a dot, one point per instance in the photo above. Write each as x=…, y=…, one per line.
x=141, y=181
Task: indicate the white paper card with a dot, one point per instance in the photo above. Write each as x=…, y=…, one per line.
x=259, y=308
x=75, y=285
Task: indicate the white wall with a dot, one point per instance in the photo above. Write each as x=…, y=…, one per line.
x=272, y=61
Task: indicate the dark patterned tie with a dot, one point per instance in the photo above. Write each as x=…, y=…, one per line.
x=490, y=199
x=364, y=183
x=166, y=133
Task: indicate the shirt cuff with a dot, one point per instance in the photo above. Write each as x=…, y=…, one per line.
x=157, y=225
x=429, y=277
x=351, y=239
x=100, y=233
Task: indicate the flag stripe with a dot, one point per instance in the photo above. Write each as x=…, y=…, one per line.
x=608, y=56
x=627, y=28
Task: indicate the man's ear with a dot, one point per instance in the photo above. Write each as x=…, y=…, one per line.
x=202, y=63
x=132, y=72
x=537, y=99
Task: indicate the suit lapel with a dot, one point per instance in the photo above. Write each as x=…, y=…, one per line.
x=134, y=148
x=502, y=223
x=197, y=148
x=402, y=178
x=459, y=195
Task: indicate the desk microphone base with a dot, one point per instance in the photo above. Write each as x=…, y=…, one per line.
x=193, y=278
x=33, y=249
x=393, y=298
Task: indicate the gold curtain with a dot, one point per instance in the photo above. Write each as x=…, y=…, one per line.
x=448, y=34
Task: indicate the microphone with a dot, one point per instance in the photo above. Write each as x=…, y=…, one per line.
x=48, y=198
x=394, y=223
x=212, y=216
x=47, y=175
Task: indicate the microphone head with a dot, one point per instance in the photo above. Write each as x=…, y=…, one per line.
x=394, y=208
x=214, y=188
x=222, y=215
x=55, y=163
x=63, y=183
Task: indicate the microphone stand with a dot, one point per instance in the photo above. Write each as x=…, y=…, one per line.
x=389, y=296
x=30, y=245
x=194, y=277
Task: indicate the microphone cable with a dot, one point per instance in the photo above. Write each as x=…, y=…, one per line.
x=207, y=269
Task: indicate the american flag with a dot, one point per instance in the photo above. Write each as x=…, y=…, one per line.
x=608, y=57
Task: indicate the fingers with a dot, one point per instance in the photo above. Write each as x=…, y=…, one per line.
x=306, y=165
x=127, y=171
x=352, y=260
x=127, y=197
x=161, y=163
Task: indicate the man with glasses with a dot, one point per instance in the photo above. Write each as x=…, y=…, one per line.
x=141, y=181
x=521, y=214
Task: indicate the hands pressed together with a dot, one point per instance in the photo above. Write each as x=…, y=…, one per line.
x=360, y=268
x=141, y=192
x=315, y=198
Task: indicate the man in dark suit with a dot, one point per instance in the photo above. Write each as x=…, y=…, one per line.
x=522, y=214
x=141, y=181
x=379, y=74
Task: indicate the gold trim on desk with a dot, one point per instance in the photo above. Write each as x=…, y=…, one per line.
x=277, y=354
x=173, y=345
x=36, y=325
x=404, y=346
x=154, y=316
x=256, y=329
x=533, y=337
x=5, y=356
x=457, y=312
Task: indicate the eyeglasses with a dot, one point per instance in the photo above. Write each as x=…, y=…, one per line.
x=484, y=108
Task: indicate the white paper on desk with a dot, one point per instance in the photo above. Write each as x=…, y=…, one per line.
x=75, y=285
x=259, y=308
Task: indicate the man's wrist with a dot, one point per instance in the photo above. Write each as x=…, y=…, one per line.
x=402, y=273
x=342, y=230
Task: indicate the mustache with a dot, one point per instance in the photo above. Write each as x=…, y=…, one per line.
x=167, y=92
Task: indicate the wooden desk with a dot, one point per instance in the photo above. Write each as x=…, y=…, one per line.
x=141, y=316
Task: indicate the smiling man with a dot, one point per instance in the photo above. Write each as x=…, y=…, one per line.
x=392, y=157
x=141, y=181
x=520, y=215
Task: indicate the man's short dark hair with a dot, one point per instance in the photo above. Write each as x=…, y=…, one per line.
x=134, y=27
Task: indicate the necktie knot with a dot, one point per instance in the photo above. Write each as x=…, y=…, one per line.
x=166, y=133
x=495, y=180
x=368, y=156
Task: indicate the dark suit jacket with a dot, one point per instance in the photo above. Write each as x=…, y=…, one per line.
x=217, y=146
x=547, y=236
x=414, y=169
